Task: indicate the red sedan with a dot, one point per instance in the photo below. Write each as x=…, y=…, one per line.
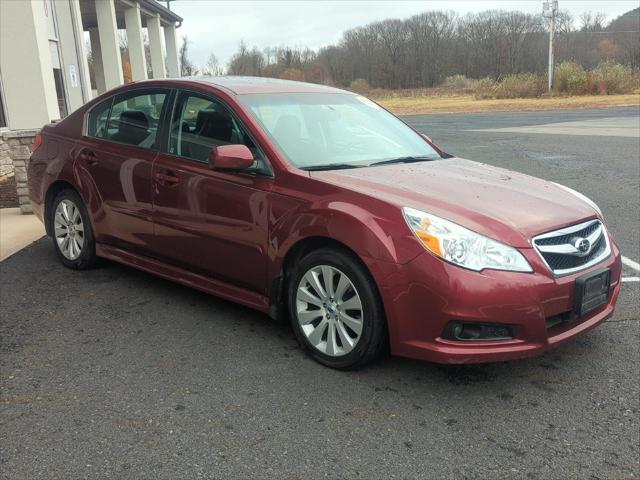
x=315, y=204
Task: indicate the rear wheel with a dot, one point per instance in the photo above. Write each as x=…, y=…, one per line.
x=335, y=310
x=72, y=234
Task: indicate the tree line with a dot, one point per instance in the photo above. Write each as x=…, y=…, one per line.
x=423, y=50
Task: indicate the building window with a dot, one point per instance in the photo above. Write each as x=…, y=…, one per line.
x=54, y=47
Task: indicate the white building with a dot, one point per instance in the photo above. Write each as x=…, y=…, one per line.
x=44, y=68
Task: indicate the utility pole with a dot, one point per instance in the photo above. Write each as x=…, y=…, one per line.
x=550, y=10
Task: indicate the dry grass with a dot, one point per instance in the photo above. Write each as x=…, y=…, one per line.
x=431, y=104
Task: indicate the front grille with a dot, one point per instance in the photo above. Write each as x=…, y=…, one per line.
x=559, y=261
x=573, y=248
x=562, y=239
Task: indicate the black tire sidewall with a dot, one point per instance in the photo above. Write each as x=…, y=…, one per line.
x=374, y=324
x=88, y=254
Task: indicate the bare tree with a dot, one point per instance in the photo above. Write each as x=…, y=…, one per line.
x=431, y=39
x=592, y=22
x=187, y=68
x=625, y=32
x=213, y=67
x=246, y=62
x=425, y=49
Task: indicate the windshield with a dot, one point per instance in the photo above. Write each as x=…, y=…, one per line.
x=327, y=129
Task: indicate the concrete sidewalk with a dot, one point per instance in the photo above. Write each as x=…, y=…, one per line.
x=17, y=231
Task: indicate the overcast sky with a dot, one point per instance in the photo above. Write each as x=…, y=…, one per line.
x=218, y=26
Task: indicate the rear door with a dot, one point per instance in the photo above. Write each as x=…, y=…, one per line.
x=117, y=154
x=206, y=221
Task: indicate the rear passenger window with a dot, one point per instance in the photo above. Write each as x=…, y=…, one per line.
x=97, y=121
x=134, y=120
x=200, y=124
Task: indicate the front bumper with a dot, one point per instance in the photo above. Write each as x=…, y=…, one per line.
x=424, y=295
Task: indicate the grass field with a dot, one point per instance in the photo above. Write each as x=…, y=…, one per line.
x=423, y=105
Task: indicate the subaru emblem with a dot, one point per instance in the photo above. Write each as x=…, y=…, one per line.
x=583, y=245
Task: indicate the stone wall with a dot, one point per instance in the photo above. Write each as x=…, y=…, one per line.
x=8, y=193
x=6, y=164
x=17, y=145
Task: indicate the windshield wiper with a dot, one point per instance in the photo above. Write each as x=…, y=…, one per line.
x=403, y=160
x=331, y=166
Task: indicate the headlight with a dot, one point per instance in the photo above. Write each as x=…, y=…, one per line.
x=461, y=246
x=582, y=197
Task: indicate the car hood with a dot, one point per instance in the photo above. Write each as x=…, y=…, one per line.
x=508, y=206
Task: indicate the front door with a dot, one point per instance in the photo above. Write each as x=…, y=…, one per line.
x=206, y=221
x=117, y=153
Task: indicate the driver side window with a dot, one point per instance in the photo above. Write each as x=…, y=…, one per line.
x=200, y=124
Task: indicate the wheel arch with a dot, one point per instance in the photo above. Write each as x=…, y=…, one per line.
x=304, y=246
x=54, y=189
x=350, y=226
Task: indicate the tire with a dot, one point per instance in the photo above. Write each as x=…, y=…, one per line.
x=71, y=230
x=322, y=312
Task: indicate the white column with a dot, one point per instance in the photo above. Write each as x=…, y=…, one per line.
x=171, y=45
x=108, y=32
x=25, y=62
x=135, y=42
x=155, y=46
x=83, y=61
x=96, y=55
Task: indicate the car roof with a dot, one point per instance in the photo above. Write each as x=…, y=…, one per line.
x=246, y=85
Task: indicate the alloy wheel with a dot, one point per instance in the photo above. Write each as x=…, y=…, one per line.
x=68, y=229
x=329, y=310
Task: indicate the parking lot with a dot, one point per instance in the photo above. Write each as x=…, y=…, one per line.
x=113, y=373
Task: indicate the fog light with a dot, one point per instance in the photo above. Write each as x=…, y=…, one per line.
x=470, y=332
x=456, y=330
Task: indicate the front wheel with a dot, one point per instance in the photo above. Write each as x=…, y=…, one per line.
x=335, y=310
x=72, y=234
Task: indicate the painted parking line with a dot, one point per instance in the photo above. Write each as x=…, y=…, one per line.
x=633, y=265
x=605, y=127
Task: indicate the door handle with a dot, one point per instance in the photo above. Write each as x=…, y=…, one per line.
x=167, y=178
x=89, y=157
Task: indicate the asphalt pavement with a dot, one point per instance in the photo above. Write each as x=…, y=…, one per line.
x=114, y=373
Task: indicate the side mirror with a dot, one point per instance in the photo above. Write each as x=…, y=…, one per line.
x=230, y=157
